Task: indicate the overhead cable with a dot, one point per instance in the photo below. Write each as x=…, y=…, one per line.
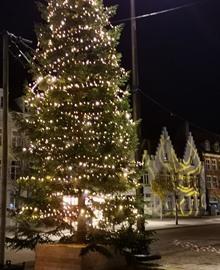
x=160, y=12
x=174, y=114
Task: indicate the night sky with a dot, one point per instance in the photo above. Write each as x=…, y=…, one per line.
x=178, y=55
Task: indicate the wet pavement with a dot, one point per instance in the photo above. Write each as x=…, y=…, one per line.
x=190, y=248
x=192, y=245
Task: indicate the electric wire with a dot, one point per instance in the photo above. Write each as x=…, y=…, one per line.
x=159, y=12
x=15, y=40
x=174, y=114
x=147, y=96
x=21, y=52
x=17, y=58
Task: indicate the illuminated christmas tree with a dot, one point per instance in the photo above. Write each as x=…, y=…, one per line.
x=81, y=138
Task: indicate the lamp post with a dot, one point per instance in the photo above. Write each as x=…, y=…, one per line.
x=136, y=105
x=4, y=147
x=135, y=75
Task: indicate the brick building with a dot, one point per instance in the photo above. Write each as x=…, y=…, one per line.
x=211, y=157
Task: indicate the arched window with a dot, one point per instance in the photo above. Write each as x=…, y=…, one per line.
x=165, y=157
x=192, y=163
x=216, y=147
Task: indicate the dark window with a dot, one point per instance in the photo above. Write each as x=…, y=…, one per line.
x=12, y=201
x=214, y=182
x=15, y=169
x=214, y=164
x=0, y=136
x=216, y=147
x=209, y=181
x=207, y=146
x=146, y=179
x=208, y=164
x=16, y=139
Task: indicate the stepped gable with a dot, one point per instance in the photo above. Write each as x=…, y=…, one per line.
x=206, y=141
x=165, y=150
x=191, y=158
x=191, y=154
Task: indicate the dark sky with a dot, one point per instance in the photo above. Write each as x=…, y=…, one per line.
x=178, y=55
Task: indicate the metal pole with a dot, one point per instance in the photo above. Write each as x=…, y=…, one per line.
x=176, y=210
x=135, y=77
x=176, y=200
x=4, y=147
x=136, y=106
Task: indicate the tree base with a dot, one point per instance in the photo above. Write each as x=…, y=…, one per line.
x=67, y=257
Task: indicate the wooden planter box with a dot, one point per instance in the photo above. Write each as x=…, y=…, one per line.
x=66, y=257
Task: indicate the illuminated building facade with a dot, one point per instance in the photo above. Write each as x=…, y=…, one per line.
x=211, y=157
x=184, y=176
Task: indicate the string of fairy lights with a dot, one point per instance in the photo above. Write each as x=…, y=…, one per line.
x=73, y=126
x=69, y=123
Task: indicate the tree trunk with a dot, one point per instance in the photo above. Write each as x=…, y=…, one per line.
x=81, y=221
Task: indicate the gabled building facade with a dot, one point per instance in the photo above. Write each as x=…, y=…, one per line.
x=184, y=176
